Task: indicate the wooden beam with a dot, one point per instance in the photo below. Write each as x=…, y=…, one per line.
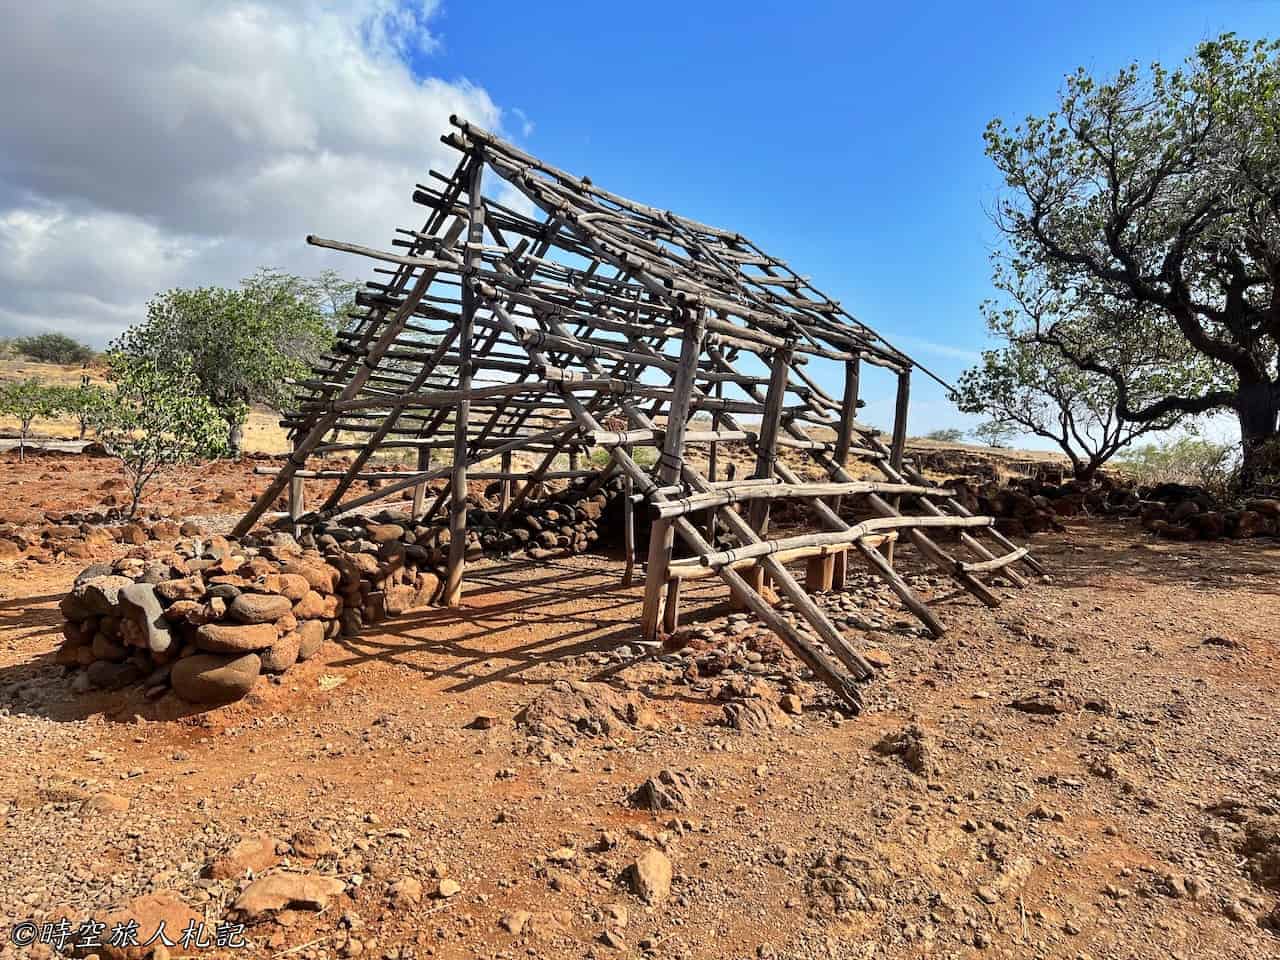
x=767, y=444
x=452, y=594
x=420, y=489
x=661, y=535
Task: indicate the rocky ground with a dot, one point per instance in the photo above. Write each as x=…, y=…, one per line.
x=1092, y=770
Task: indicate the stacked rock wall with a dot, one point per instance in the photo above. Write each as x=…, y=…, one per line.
x=208, y=626
x=207, y=618
x=1173, y=510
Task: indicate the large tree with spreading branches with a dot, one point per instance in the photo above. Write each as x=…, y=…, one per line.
x=1146, y=210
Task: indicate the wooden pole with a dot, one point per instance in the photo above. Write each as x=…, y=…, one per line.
x=458, y=509
x=297, y=501
x=712, y=461
x=420, y=490
x=628, y=525
x=767, y=445
x=505, y=497
x=662, y=535
x=848, y=414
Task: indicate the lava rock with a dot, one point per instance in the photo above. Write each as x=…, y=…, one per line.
x=213, y=680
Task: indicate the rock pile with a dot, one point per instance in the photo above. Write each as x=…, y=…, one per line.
x=1174, y=510
x=206, y=624
x=82, y=535
x=207, y=619
x=568, y=521
x=1181, y=512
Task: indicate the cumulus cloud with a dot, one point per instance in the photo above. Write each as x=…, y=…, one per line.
x=151, y=144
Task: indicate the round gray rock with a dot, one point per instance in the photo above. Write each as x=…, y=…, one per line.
x=235, y=638
x=211, y=679
x=259, y=607
x=310, y=638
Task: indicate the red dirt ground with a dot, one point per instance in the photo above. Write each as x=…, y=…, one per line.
x=1028, y=835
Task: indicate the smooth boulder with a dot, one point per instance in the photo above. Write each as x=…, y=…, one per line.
x=310, y=638
x=141, y=600
x=254, y=608
x=230, y=638
x=214, y=680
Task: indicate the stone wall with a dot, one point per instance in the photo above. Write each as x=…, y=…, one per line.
x=206, y=618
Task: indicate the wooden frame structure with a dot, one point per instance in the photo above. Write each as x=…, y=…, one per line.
x=592, y=321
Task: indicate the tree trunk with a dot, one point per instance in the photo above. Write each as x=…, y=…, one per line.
x=1085, y=471
x=1258, y=407
x=235, y=436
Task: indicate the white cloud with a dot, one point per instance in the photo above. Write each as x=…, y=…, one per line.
x=150, y=144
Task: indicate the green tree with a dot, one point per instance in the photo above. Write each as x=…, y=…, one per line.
x=27, y=400
x=995, y=433
x=946, y=435
x=154, y=418
x=1148, y=205
x=245, y=345
x=53, y=348
x=1034, y=385
x=84, y=402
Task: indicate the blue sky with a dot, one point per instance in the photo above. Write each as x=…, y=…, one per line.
x=845, y=138
x=189, y=144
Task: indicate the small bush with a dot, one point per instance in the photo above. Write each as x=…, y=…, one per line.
x=949, y=435
x=1189, y=460
x=53, y=348
x=154, y=419
x=26, y=401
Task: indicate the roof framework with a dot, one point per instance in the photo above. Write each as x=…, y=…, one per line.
x=593, y=321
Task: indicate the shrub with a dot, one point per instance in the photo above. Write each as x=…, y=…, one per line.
x=53, y=348
x=26, y=400
x=1190, y=460
x=156, y=418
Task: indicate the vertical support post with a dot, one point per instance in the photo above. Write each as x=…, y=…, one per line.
x=505, y=497
x=848, y=414
x=818, y=573
x=671, y=609
x=458, y=504
x=899, y=444
x=297, y=501
x=767, y=445
x=420, y=489
x=840, y=570
x=628, y=524
x=573, y=459
x=712, y=464
x=662, y=534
